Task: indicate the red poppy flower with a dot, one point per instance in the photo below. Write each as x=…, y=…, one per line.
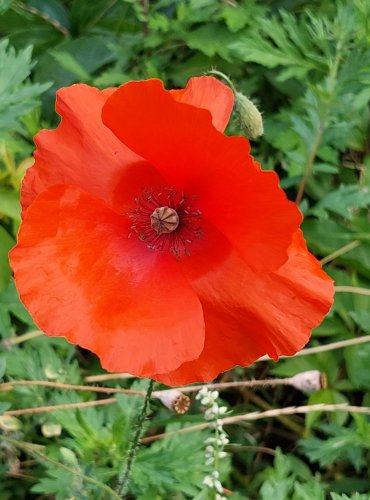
x=155, y=241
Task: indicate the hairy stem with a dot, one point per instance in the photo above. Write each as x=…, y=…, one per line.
x=125, y=474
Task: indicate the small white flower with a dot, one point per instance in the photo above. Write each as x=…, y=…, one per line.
x=209, y=414
x=215, y=474
x=210, y=440
x=203, y=392
x=208, y=481
x=218, y=486
x=223, y=440
x=210, y=460
x=222, y=454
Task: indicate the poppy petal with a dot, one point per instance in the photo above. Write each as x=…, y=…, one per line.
x=81, y=151
x=81, y=277
x=208, y=93
x=179, y=140
x=248, y=315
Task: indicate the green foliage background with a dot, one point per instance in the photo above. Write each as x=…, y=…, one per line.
x=307, y=66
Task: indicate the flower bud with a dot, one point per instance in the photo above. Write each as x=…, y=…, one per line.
x=311, y=380
x=250, y=115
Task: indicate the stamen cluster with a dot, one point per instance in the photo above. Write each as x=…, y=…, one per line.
x=160, y=201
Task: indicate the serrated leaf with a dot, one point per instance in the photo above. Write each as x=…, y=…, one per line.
x=345, y=201
x=17, y=96
x=210, y=40
x=182, y=465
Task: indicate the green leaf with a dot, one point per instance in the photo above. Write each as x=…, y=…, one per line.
x=17, y=96
x=182, y=465
x=357, y=363
x=326, y=396
x=2, y=366
x=362, y=318
x=327, y=236
x=9, y=204
x=281, y=41
x=4, y=406
x=6, y=243
x=53, y=9
x=211, y=40
x=345, y=201
x=11, y=305
x=5, y=5
x=69, y=63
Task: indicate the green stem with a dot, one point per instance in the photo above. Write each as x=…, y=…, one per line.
x=309, y=164
x=125, y=474
x=215, y=72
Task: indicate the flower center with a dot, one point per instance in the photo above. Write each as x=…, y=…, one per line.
x=166, y=220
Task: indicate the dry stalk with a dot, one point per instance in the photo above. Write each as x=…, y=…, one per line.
x=257, y=415
x=352, y=289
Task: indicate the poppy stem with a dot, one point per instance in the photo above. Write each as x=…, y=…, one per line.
x=125, y=473
x=215, y=72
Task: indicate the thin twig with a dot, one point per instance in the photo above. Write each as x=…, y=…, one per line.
x=257, y=415
x=339, y=252
x=107, y=376
x=353, y=289
x=240, y=383
x=309, y=164
x=323, y=348
x=8, y=386
x=289, y=423
x=22, y=338
x=67, y=406
x=261, y=449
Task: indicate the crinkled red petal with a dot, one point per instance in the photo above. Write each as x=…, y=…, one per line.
x=243, y=202
x=209, y=93
x=81, y=277
x=248, y=315
x=81, y=151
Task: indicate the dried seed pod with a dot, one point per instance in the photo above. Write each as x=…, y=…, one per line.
x=174, y=400
x=164, y=220
x=311, y=380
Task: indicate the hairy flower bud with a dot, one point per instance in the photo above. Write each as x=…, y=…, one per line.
x=311, y=380
x=250, y=115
